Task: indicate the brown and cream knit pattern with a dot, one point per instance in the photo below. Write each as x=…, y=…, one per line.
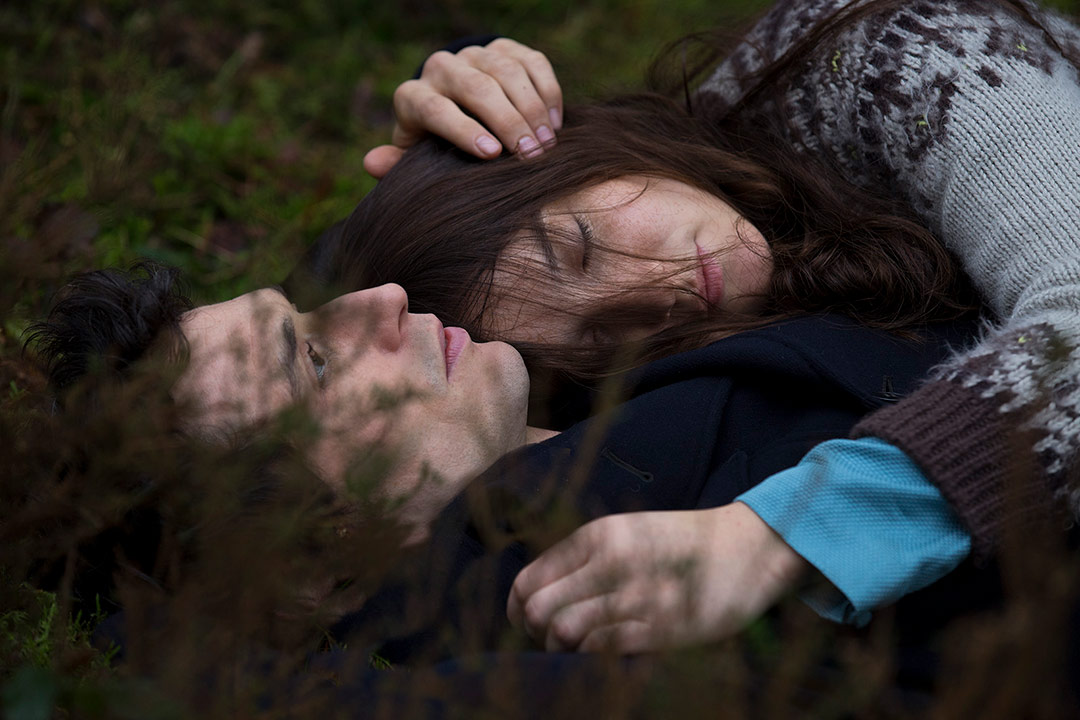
x=971, y=115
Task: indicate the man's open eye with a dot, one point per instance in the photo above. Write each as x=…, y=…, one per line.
x=317, y=361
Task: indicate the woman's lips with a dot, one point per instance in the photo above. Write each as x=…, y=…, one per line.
x=456, y=340
x=712, y=278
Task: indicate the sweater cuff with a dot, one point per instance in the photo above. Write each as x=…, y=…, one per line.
x=860, y=512
x=974, y=452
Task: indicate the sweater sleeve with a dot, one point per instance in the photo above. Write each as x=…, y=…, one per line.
x=860, y=512
x=973, y=116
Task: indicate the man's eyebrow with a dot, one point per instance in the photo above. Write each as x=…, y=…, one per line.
x=288, y=356
x=288, y=348
x=280, y=290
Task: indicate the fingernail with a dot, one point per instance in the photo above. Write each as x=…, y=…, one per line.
x=545, y=136
x=487, y=145
x=556, y=118
x=528, y=147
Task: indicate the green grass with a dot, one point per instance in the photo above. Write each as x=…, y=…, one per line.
x=222, y=137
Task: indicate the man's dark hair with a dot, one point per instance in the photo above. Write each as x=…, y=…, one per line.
x=105, y=321
x=100, y=326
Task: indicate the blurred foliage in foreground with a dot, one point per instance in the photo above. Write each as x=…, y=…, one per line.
x=222, y=137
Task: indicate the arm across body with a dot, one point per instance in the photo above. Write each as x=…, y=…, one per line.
x=972, y=115
x=857, y=512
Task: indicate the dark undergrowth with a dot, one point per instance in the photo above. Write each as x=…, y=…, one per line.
x=223, y=138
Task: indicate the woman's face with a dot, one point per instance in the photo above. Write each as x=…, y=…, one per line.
x=628, y=258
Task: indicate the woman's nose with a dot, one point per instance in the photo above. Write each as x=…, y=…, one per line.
x=373, y=317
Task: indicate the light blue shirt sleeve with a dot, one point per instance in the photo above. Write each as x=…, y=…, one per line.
x=862, y=513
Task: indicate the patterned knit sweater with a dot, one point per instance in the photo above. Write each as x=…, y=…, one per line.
x=972, y=116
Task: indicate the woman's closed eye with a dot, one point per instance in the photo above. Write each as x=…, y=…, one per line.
x=317, y=361
x=596, y=332
x=587, y=240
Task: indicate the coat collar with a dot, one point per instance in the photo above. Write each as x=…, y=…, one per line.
x=874, y=366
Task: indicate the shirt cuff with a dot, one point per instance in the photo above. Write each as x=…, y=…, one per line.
x=863, y=514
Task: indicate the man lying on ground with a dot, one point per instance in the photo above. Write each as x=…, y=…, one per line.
x=384, y=386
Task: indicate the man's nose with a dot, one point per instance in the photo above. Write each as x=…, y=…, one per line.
x=372, y=317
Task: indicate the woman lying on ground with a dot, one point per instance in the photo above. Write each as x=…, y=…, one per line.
x=920, y=101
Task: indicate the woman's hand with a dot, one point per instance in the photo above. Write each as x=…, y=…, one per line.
x=644, y=581
x=510, y=89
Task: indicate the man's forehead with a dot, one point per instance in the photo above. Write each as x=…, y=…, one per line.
x=233, y=357
x=255, y=305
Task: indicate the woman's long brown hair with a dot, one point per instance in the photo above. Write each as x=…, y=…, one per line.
x=439, y=222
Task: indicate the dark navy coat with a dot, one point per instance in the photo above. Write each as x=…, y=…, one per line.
x=697, y=429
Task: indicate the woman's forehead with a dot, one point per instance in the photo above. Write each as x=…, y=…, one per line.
x=603, y=195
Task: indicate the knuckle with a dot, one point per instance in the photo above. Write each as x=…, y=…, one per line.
x=565, y=632
x=593, y=532
x=535, y=57
x=536, y=111
x=406, y=90
x=430, y=106
x=437, y=62
x=471, y=53
x=478, y=84
x=502, y=45
x=534, y=614
x=502, y=65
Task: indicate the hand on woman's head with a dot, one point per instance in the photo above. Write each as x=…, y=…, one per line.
x=509, y=89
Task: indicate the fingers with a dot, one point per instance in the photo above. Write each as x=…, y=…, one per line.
x=528, y=81
x=482, y=99
x=628, y=637
x=576, y=598
x=560, y=561
x=542, y=75
x=421, y=109
x=572, y=624
x=496, y=90
x=379, y=160
x=502, y=96
x=629, y=612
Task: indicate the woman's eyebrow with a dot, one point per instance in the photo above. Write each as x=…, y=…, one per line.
x=542, y=240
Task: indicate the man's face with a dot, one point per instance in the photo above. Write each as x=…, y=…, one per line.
x=369, y=373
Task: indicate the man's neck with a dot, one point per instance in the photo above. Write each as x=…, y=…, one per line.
x=535, y=435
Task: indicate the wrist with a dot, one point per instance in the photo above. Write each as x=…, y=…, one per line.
x=782, y=567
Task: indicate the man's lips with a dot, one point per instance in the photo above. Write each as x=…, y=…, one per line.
x=454, y=341
x=712, y=278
